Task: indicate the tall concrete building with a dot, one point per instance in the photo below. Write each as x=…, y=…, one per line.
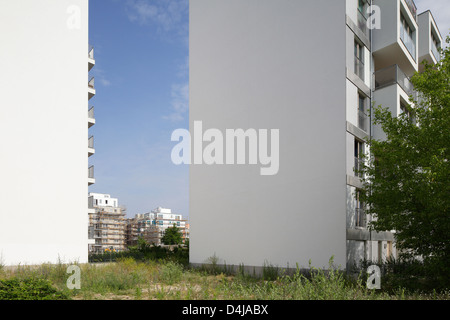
x=311, y=70
x=44, y=92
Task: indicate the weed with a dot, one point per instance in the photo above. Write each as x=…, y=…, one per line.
x=270, y=272
x=171, y=272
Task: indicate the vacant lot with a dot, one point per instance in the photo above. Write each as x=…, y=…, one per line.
x=166, y=280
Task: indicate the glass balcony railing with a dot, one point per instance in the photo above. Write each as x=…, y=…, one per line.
x=435, y=51
x=91, y=142
x=91, y=113
x=394, y=75
x=412, y=8
x=91, y=52
x=91, y=83
x=408, y=41
x=362, y=23
x=91, y=172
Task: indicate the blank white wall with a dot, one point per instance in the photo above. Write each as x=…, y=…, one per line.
x=267, y=64
x=43, y=131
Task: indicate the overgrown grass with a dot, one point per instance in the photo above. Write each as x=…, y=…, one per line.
x=128, y=278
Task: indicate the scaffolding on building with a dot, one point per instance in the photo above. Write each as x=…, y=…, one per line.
x=108, y=228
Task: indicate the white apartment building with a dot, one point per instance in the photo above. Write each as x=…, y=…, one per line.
x=107, y=224
x=311, y=69
x=44, y=92
x=152, y=225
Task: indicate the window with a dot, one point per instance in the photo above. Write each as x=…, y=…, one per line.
x=359, y=160
x=359, y=59
x=360, y=214
x=380, y=251
x=362, y=118
x=361, y=4
x=407, y=111
x=389, y=250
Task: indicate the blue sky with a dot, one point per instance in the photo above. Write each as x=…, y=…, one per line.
x=141, y=72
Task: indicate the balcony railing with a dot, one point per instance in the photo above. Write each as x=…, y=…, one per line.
x=360, y=218
x=394, y=75
x=362, y=23
x=412, y=8
x=91, y=83
x=91, y=172
x=91, y=114
x=435, y=51
x=91, y=52
x=91, y=142
x=91, y=202
x=408, y=41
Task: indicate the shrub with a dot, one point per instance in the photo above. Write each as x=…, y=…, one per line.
x=29, y=289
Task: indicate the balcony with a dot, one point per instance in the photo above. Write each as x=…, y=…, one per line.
x=91, y=149
x=91, y=60
x=91, y=209
x=91, y=117
x=430, y=39
x=394, y=75
x=397, y=41
x=435, y=51
x=362, y=23
x=393, y=89
x=91, y=88
x=91, y=179
x=408, y=39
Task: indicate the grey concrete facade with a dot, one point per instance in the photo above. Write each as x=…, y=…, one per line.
x=262, y=64
x=313, y=70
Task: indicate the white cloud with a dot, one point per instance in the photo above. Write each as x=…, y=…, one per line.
x=100, y=77
x=105, y=82
x=183, y=68
x=180, y=102
x=169, y=16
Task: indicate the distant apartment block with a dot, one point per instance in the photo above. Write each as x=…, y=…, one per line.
x=151, y=226
x=44, y=120
x=107, y=224
x=313, y=70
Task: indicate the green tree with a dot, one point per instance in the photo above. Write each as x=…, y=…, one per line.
x=407, y=178
x=172, y=235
